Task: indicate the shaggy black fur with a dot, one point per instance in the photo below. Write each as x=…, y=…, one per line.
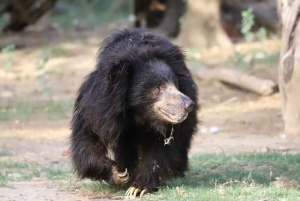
x=114, y=109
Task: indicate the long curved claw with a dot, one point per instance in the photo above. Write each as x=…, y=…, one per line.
x=143, y=192
x=132, y=192
x=125, y=178
x=122, y=174
x=136, y=191
x=120, y=178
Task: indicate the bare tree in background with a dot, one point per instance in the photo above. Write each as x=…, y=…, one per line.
x=202, y=27
x=25, y=12
x=289, y=66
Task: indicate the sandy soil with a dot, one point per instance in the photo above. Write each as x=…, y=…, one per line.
x=245, y=122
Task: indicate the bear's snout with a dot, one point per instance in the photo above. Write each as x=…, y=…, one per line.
x=172, y=105
x=188, y=104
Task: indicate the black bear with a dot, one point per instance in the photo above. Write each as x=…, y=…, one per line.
x=135, y=113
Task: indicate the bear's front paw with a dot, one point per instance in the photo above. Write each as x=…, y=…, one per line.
x=132, y=192
x=119, y=178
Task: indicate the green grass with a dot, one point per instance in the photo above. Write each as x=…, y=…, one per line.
x=271, y=59
x=224, y=193
x=11, y=170
x=50, y=109
x=268, y=59
x=4, y=153
x=212, y=177
x=59, y=51
x=234, y=177
x=26, y=171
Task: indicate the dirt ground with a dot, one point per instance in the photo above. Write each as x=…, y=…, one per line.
x=241, y=121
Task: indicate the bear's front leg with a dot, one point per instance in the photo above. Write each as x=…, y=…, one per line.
x=148, y=177
x=156, y=164
x=90, y=161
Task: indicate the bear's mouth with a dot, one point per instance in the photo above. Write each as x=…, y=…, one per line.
x=173, y=118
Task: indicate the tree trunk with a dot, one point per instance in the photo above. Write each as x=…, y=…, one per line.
x=289, y=66
x=170, y=23
x=202, y=26
x=162, y=15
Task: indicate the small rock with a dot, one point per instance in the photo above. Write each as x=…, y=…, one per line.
x=214, y=129
x=203, y=130
x=283, y=136
x=6, y=94
x=65, y=153
x=218, y=150
x=263, y=149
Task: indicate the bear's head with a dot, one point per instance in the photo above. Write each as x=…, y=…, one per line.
x=139, y=78
x=154, y=96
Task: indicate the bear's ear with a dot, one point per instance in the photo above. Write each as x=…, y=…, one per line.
x=118, y=71
x=116, y=80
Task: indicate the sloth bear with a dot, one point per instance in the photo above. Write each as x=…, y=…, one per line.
x=135, y=113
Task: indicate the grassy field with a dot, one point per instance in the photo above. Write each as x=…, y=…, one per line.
x=269, y=176
x=50, y=109
x=237, y=177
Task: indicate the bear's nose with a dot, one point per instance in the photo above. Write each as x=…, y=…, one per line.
x=188, y=104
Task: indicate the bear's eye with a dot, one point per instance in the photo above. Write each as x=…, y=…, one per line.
x=157, y=90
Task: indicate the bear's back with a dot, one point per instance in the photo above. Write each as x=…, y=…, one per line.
x=138, y=38
x=135, y=47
